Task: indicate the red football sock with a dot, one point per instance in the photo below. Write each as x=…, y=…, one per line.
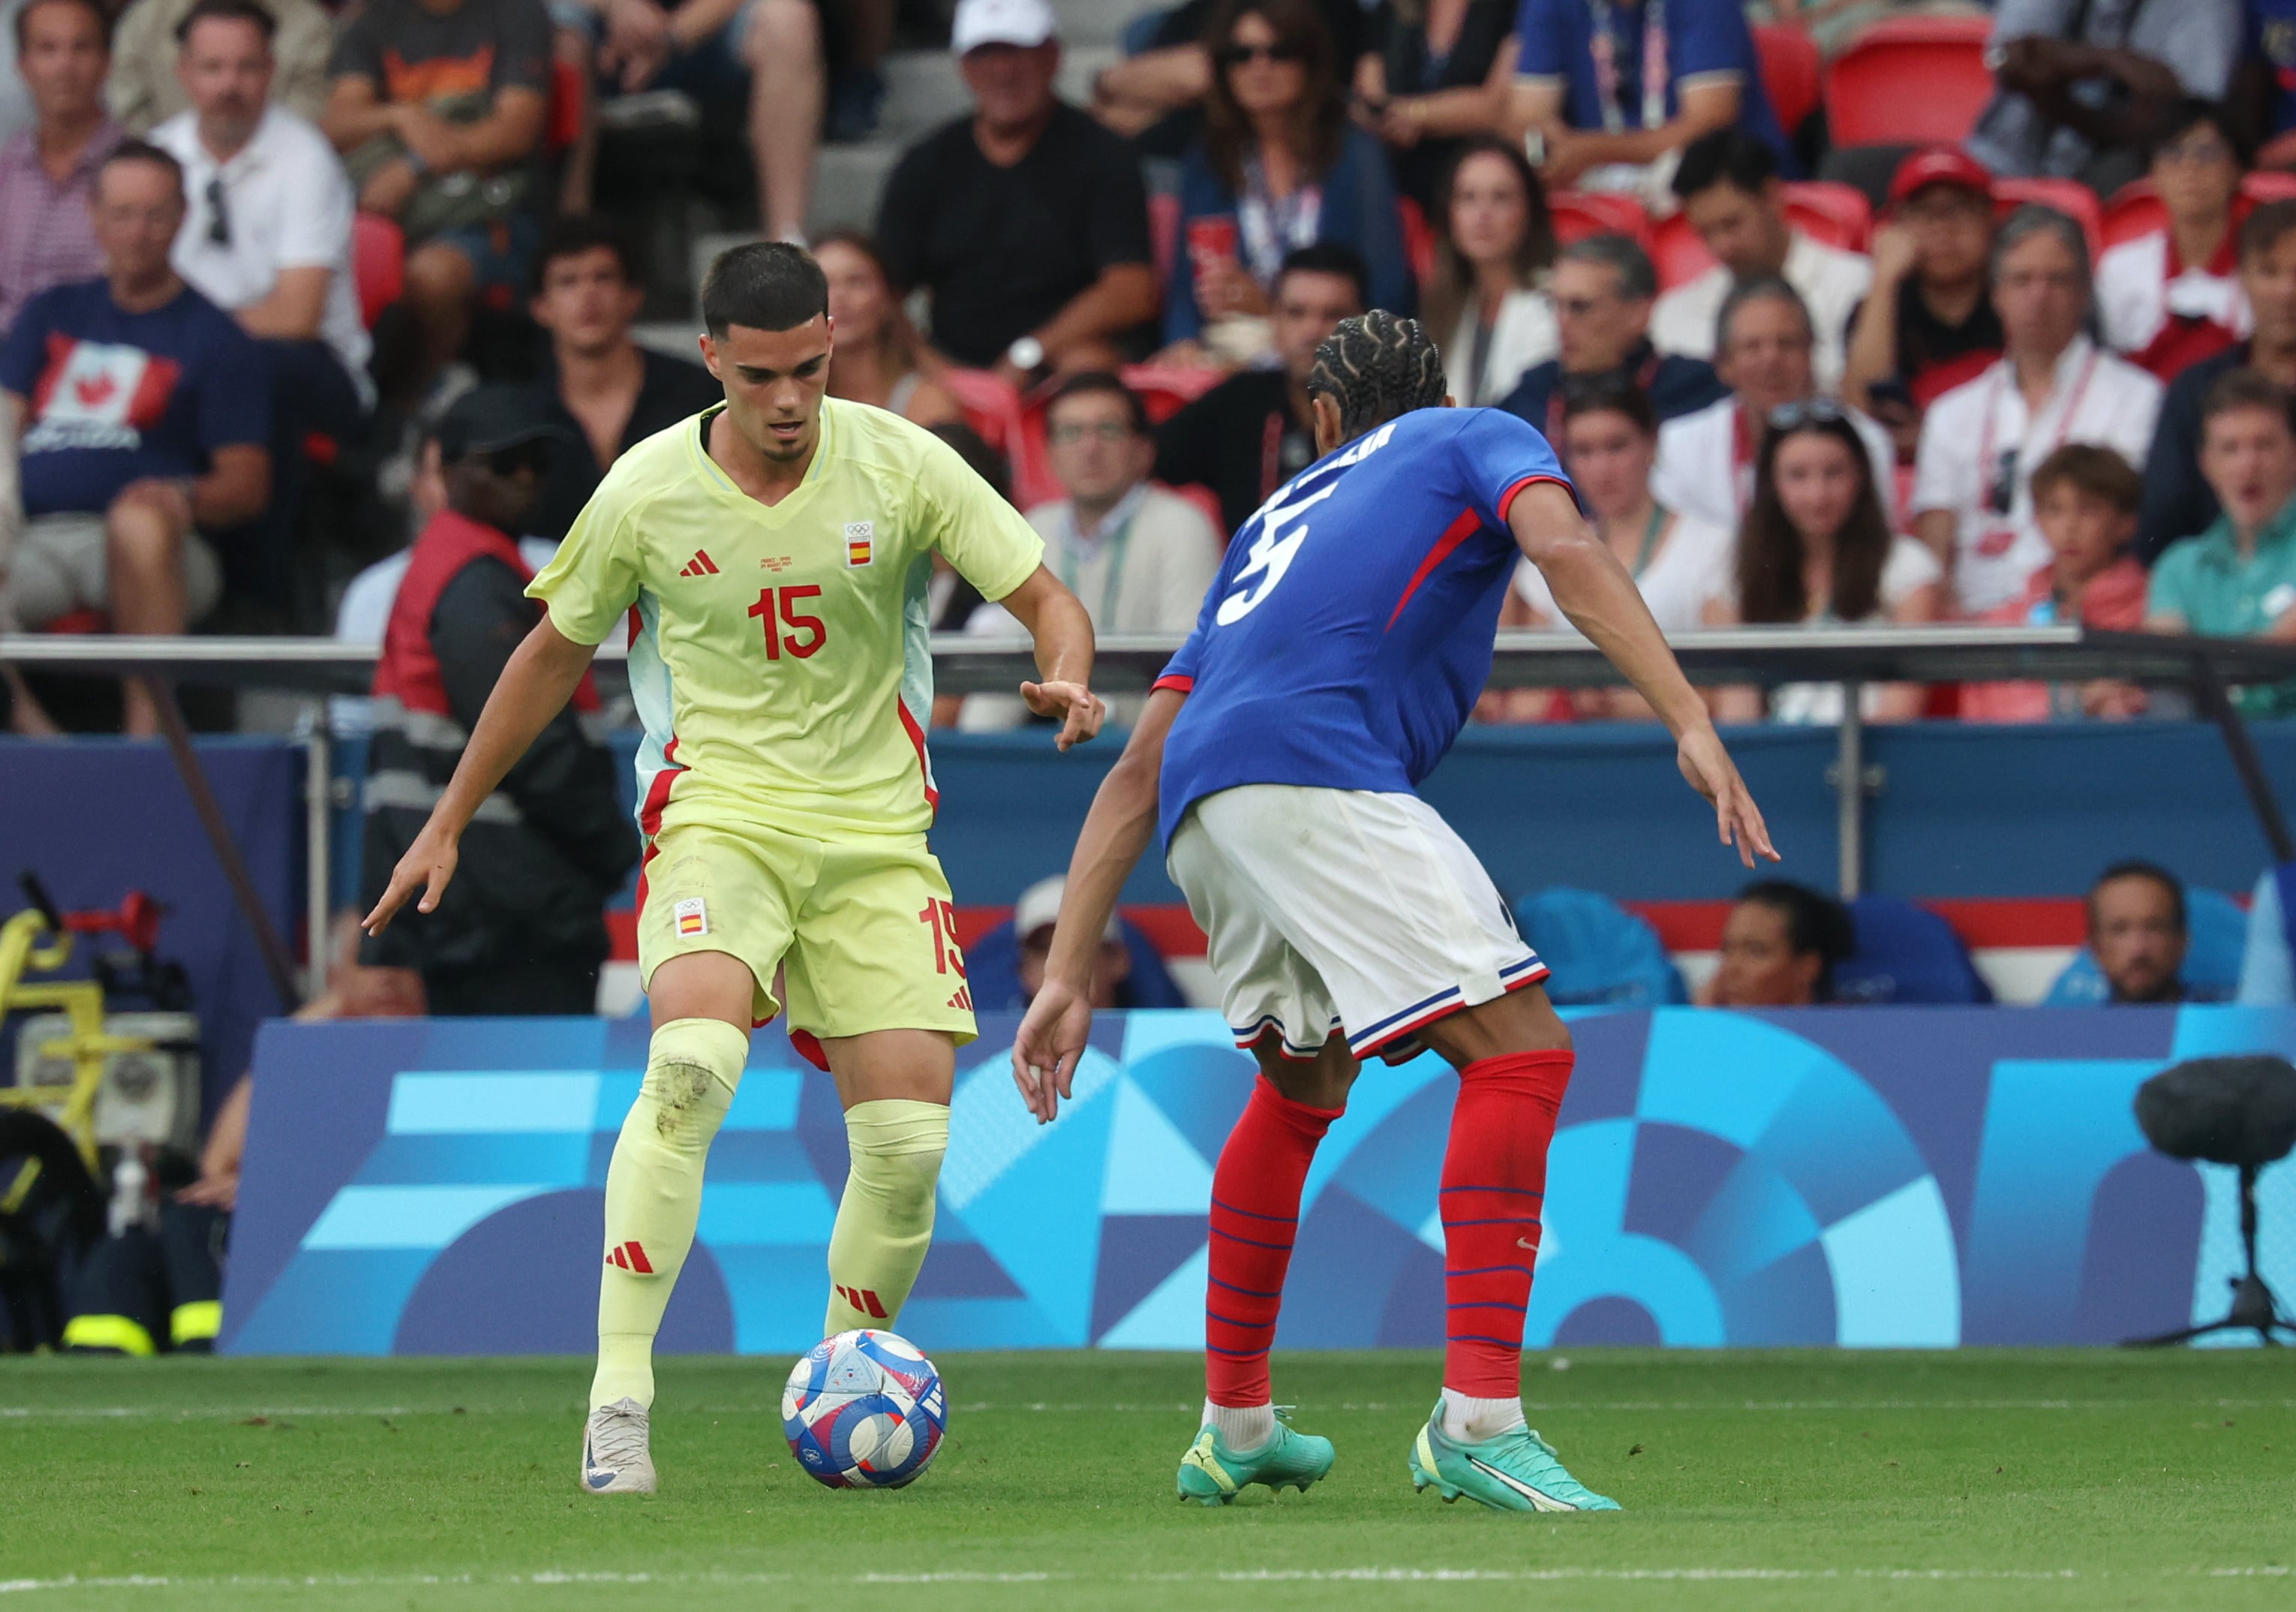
x=1494, y=1187
x=1255, y=1216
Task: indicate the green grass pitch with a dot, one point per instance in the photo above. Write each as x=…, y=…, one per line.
x=1772, y=1480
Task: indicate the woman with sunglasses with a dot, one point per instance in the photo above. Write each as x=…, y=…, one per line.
x=1279, y=167
x=1495, y=248
x=1609, y=440
x=1816, y=548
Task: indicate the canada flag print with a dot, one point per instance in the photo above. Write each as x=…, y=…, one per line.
x=98, y=394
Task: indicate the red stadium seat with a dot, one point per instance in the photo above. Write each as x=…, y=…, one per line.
x=1164, y=234
x=1792, y=72
x=1011, y=426
x=1167, y=388
x=2133, y=211
x=1679, y=253
x=77, y=622
x=2268, y=185
x=378, y=263
x=1909, y=81
x=1839, y=215
x=1418, y=240
x=1576, y=214
x=1206, y=504
x=570, y=91
x=2069, y=197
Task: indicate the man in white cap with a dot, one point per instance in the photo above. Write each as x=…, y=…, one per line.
x=1026, y=223
x=1033, y=919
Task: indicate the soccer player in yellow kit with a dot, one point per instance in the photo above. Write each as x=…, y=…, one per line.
x=771, y=557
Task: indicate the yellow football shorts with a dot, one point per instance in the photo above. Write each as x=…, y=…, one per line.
x=865, y=933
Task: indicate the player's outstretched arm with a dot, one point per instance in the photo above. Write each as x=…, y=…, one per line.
x=541, y=677
x=1056, y=619
x=1117, y=830
x=1602, y=601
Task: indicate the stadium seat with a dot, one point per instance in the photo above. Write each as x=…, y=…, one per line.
x=1678, y=252
x=1601, y=954
x=992, y=970
x=1792, y=72
x=378, y=263
x=2212, y=972
x=1168, y=388
x=1838, y=215
x=1418, y=240
x=569, y=95
x=1576, y=214
x=2069, y=197
x=2134, y=209
x=1164, y=234
x=1910, y=81
x=1906, y=955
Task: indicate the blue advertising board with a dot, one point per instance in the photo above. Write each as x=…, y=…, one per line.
x=1873, y=1177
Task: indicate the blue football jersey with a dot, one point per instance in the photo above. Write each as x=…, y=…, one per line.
x=1349, y=632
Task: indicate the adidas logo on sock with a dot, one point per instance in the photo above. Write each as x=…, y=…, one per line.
x=631, y=1257
x=700, y=565
x=863, y=1299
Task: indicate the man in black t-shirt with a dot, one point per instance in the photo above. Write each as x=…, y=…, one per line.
x=1027, y=222
x=1251, y=434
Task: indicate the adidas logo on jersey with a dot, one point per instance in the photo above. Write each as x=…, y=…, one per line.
x=700, y=565
x=631, y=1257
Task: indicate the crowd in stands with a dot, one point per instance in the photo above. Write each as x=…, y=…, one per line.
x=2013, y=342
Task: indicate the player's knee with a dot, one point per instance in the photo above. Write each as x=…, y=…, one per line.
x=692, y=1069
x=897, y=1147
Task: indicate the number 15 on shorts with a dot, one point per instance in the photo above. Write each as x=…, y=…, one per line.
x=940, y=917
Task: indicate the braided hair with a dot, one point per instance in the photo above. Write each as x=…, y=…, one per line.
x=1376, y=366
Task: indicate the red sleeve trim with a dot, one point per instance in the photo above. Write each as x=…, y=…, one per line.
x=1177, y=683
x=1507, y=498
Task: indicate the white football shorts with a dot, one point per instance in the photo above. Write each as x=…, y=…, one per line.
x=1343, y=910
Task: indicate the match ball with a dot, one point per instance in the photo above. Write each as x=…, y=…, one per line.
x=863, y=1410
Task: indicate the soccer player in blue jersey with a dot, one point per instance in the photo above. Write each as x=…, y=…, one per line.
x=1342, y=644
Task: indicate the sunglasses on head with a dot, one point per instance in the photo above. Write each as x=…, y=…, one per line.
x=1808, y=411
x=1239, y=55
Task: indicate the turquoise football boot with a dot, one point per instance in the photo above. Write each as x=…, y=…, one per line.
x=1517, y=1471
x=1213, y=1474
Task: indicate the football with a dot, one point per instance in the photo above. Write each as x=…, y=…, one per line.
x=863, y=1410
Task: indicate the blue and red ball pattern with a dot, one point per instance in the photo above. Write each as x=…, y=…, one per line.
x=864, y=1409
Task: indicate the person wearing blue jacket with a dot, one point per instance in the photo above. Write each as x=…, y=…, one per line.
x=1278, y=166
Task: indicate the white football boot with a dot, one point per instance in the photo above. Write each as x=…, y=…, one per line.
x=615, y=1457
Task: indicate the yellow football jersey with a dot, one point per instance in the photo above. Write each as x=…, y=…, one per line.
x=778, y=655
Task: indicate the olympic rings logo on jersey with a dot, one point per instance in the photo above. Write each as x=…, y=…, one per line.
x=1273, y=553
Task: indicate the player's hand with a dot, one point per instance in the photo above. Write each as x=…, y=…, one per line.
x=428, y=866
x=1710, y=771
x=1081, y=708
x=1049, y=1046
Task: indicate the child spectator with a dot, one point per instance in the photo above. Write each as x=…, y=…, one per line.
x=2171, y=298
x=1495, y=247
x=2085, y=501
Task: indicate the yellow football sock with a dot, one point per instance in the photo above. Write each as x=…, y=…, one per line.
x=653, y=1194
x=885, y=1220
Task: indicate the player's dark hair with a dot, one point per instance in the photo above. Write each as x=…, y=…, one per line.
x=1814, y=923
x=2267, y=227
x=579, y=233
x=766, y=285
x=1725, y=157
x=1100, y=382
x=24, y=16
x=1374, y=368
x=1327, y=257
x=1609, y=394
x=2138, y=868
x=227, y=10
x=2237, y=390
x=1771, y=549
x=2099, y=472
x=141, y=151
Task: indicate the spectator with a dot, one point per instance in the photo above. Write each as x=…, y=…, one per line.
x=2085, y=501
x=603, y=392
x=2171, y=298
x=1152, y=92
x=2237, y=580
x=268, y=238
x=1252, y=432
x=48, y=173
x=1431, y=73
x=1609, y=440
x=1279, y=167
x=438, y=108
x=1026, y=222
x=1706, y=460
x=16, y=114
x=1780, y=946
x=143, y=411
x=1731, y=194
x=1611, y=91
x=1816, y=547
x=1603, y=292
x=1972, y=493
x=1140, y=558
x=145, y=90
x=2085, y=88
x=1493, y=247
x=2138, y=933
x=2177, y=502
x=1113, y=982
x=879, y=356
x=1927, y=326
x=522, y=930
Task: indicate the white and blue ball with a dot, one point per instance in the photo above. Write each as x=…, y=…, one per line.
x=863, y=1410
